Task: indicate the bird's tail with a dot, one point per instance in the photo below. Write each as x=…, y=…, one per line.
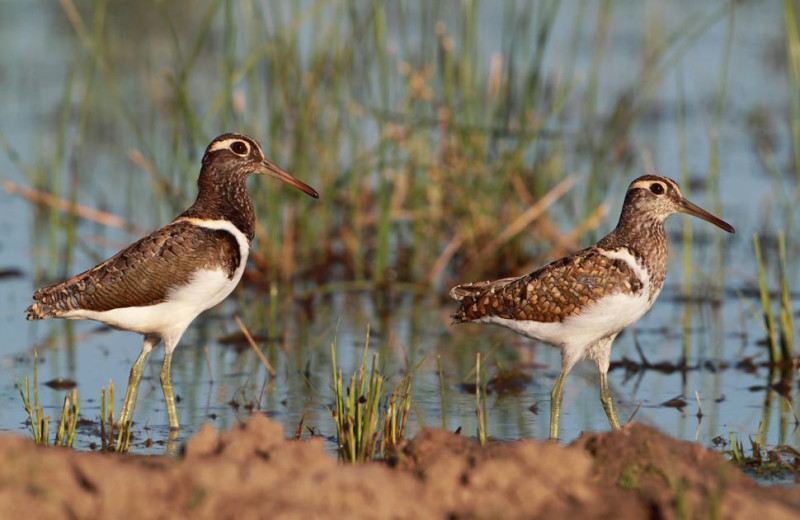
x=40, y=311
x=53, y=301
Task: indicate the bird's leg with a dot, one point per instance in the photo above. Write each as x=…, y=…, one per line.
x=601, y=353
x=608, y=402
x=555, y=403
x=166, y=385
x=133, y=380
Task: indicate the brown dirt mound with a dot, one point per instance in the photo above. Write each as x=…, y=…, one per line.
x=251, y=471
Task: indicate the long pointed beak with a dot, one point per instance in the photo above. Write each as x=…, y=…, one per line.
x=691, y=209
x=270, y=169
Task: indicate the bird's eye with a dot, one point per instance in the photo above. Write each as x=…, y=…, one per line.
x=657, y=188
x=239, y=148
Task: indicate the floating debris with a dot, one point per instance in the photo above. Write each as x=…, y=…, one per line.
x=61, y=383
x=676, y=402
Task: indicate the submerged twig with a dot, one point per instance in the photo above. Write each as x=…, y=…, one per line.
x=208, y=365
x=699, y=408
x=794, y=412
x=635, y=411
x=252, y=343
x=645, y=361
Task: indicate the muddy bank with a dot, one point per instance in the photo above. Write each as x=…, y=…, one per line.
x=251, y=471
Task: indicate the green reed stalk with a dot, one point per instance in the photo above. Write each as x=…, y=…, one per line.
x=786, y=316
x=384, y=184
x=589, y=102
x=108, y=423
x=103, y=419
x=766, y=307
x=65, y=434
x=688, y=239
x=39, y=423
x=736, y=447
x=718, y=261
x=397, y=413
x=442, y=391
x=792, y=36
x=480, y=402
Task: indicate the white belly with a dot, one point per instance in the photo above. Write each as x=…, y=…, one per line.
x=207, y=289
x=606, y=317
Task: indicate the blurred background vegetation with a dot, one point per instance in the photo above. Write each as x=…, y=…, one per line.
x=439, y=148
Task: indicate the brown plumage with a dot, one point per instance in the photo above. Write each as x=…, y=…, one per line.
x=143, y=273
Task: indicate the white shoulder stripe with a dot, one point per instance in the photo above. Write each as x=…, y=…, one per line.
x=225, y=225
x=626, y=256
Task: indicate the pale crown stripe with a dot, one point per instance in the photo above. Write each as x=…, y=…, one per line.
x=226, y=144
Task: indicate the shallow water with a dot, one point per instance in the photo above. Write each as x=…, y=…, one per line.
x=37, y=45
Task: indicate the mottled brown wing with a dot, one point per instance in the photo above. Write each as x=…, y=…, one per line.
x=551, y=293
x=459, y=292
x=143, y=273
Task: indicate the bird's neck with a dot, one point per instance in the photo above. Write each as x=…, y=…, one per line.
x=646, y=238
x=226, y=200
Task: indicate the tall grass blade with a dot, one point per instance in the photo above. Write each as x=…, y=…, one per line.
x=786, y=314
x=480, y=402
x=766, y=307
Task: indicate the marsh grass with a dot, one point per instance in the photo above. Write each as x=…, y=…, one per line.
x=40, y=423
x=108, y=423
x=356, y=409
x=65, y=435
x=779, y=462
x=366, y=427
x=398, y=411
x=780, y=330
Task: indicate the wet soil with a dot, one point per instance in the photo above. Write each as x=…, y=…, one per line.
x=252, y=471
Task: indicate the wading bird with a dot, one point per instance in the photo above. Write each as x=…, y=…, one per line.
x=158, y=285
x=580, y=303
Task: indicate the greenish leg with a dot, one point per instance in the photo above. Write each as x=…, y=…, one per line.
x=555, y=404
x=133, y=381
x=166, y=385
x=608, y=402
x=171, y=447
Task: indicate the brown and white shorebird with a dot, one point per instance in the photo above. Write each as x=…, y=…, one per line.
x=160, y=284
x=580, y=303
